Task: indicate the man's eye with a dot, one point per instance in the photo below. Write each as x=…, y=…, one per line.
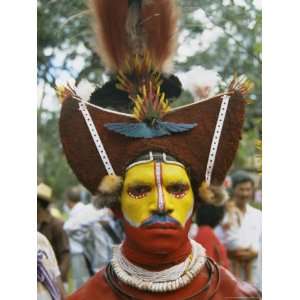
x=138, y=191
x=178, y=189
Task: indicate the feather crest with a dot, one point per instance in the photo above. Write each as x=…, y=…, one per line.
x=125, y=29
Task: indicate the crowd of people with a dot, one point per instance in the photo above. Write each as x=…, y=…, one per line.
x=70, y=251
x=231, y=232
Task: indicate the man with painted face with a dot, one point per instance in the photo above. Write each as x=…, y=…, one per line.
x=157, y=203
x=151, y=166
x=157, y=260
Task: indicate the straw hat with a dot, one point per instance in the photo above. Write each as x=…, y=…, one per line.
x=44, y=192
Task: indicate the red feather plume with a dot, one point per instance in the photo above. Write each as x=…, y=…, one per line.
x=160, y=23
x=110, y=26
x=124, y=31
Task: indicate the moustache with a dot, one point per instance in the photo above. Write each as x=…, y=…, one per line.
x=161, y=219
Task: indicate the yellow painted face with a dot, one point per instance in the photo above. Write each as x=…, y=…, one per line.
x=156, y=188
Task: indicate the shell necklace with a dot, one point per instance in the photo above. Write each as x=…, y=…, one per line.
x=162, y=281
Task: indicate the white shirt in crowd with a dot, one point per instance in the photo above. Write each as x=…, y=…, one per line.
x=89, y=238
x=245, y=233
x=81, y=216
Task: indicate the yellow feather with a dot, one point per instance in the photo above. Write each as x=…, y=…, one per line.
x=158, y=91
x=110, y=184
x=144, y=91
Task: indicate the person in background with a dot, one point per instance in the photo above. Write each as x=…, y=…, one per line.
x=104, y=234
x=49, y=283
x=55, y=212
x=208, y=216
x=79, y=267
x=242, y=230
x=52, y=228
x=92, y=233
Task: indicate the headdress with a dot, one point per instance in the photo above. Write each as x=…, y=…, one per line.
x=136, y=41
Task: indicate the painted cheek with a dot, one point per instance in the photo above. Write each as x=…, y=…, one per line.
x=183, y=208
x=136, y=211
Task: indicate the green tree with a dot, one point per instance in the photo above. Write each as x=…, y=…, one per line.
x=52, y=164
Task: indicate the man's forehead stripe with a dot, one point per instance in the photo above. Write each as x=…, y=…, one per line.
x=158, y=182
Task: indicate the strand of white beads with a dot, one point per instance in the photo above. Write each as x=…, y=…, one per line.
x=162, y=281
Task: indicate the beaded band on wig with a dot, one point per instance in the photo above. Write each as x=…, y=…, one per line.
x=96, y=138
x=216, y=138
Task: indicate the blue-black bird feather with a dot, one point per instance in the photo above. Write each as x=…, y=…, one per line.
x=143, y=130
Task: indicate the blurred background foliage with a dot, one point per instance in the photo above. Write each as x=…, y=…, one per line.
x=66, y=46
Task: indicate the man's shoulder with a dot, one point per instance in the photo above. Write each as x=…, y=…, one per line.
x=96, y=288
x=232, y=287
x=57, y=226
x=42, y=241
x=43, y=245
x=254, y=211
x=56, y=223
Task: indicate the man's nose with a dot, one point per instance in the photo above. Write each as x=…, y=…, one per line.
x=245, y=195
x=161, y=212
x=164, y=204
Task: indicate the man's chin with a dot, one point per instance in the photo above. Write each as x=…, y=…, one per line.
x=165, y=240
x=157, y=238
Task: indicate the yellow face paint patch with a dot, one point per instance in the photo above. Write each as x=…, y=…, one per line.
x=156, y=188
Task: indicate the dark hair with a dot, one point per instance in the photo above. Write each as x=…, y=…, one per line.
x=208, y=214
x=73, y=194
x=42, y=203
x=239, y=177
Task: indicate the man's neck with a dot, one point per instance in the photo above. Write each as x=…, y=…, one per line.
x=156, y=261
x=71, y=205
x=44, y=217
x=242, y=207
x=75, y=206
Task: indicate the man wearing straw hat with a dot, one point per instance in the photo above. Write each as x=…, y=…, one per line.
x=52, y=228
